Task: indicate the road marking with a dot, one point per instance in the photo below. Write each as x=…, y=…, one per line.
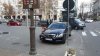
x=84, y=33
x=93, y=34
x=98, y=31
x=66, y=53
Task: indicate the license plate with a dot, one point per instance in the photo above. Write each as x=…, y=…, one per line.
x=48, y=39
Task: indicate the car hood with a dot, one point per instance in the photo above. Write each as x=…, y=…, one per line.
x=54, y=31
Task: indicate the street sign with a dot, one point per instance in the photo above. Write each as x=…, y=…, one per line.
x=31, y=4
x=71, y=4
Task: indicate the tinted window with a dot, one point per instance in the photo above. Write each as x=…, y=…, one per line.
x=57, y=26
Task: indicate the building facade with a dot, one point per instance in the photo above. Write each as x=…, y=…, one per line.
x=15, y=7
x=96, y=9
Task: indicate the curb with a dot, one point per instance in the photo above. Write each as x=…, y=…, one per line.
x=25, y=54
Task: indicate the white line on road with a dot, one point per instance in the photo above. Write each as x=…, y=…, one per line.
x=93, y=34
x=84, y=33
x=66, y=53
x=98, y=31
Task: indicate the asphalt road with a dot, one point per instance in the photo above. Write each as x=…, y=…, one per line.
x=91, y=39
x=85, y=42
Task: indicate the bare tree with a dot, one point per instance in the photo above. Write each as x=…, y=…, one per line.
x=82, y=7
x=46, y=7
x=8, y=9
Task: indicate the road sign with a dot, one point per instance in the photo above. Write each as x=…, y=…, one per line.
x=31, y=4
x=71, y=4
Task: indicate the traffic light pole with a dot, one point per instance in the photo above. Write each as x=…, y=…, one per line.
x=68, y=18
x=32, y=33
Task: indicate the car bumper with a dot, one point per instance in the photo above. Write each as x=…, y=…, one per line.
x=47, y=38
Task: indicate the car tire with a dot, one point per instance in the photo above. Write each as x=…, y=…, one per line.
x=76, y=28
x=82, y=28
x=70, y=35
x=42, y=39
x=64, y=39
x=0, y=22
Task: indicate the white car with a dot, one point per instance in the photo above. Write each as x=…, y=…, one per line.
x=88, y=20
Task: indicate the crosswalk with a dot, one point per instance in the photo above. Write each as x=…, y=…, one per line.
x=84, y=33
x=92, y=33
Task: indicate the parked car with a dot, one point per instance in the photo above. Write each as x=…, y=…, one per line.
x=4, y=20
x=88, y=20
x=14, y=23
x=0, y=22
x=19, y=20
x=79, y=24
x=57, y=31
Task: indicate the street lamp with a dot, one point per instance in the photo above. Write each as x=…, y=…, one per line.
x=32, y=31
x=31, y=5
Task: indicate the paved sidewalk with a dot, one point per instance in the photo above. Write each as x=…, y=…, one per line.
x=13, y=52
x=6, y=52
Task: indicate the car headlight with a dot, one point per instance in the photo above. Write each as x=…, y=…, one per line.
x=60, y=35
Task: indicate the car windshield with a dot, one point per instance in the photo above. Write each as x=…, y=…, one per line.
x=57, y=26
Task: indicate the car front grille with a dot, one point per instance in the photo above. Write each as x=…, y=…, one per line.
x=50, y=35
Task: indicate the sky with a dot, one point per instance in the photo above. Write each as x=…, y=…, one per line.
x=84, y=1
x=79, y=1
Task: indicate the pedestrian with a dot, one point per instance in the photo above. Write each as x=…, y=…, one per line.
x=47, y=23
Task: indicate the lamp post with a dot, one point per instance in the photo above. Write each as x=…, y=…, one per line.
x=32, y=31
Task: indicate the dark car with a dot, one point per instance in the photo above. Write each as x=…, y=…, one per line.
x=0, y=22
x=57, y=31
x=79, y=24
x=14, y=23
x=19, y=20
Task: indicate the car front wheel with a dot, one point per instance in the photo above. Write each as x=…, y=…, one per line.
x=42, y=39
x=82, y=28
x=64, y=39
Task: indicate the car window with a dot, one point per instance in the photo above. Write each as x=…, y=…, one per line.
x=57, y=26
